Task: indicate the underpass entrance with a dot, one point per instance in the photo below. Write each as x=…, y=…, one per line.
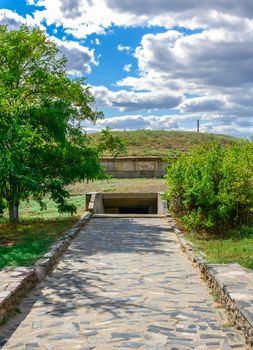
x=126, y=204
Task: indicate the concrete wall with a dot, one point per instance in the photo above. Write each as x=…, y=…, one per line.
x=94, y=203
x=111, y=203
x=134, y=167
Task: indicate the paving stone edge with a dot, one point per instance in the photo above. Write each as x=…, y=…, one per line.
x=234, y=311
x=11, y=297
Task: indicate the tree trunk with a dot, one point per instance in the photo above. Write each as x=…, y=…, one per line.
x=12, y=216
x=17, y=212
x=13, y=212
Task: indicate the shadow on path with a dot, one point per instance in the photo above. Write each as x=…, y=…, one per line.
x=81, y=278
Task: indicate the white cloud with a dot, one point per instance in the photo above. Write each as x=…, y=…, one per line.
x=79, y=57
x=14, y=21
x=182, y=9
x=123, y=48
x=203, y=59
x=71, y=8
x=84, y=17
x=133, y=101
x=78, y=17
x=127, y=68
x=203, y=104
x=212, y=69
x=232, y=129
x=138, y=121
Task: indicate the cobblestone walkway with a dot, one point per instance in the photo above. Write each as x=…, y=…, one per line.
x=123, y=284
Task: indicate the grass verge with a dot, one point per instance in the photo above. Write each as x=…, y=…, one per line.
x=236, y=246
x=23, y=244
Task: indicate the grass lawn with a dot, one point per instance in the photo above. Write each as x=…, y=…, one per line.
x=23, y=244
x=234, y=247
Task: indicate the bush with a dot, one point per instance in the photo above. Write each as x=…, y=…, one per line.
x=211, y=187
x=2, y=206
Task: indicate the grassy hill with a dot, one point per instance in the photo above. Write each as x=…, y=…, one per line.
x=159, y=142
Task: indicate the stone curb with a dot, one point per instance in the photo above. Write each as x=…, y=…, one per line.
x=237, y=313
x=22, y=280
x=19, y=284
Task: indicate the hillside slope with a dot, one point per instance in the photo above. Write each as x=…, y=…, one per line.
x=159, y=142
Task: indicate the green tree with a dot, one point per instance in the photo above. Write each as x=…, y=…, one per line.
x=42, y=145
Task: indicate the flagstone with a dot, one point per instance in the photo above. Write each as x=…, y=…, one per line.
x=122, y=284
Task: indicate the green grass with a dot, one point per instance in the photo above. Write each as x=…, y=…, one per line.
x=23, y=244
x=30, y=211
x=160, y=142
x=235, y=246
x=119, y=185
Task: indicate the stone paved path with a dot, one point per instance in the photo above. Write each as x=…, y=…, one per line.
x=123, y=284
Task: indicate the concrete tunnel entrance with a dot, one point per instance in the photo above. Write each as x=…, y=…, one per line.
x=126, y=204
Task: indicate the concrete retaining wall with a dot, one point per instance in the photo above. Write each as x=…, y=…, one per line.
x=134, y=167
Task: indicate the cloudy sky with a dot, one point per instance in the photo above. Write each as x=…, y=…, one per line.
x=155, y=64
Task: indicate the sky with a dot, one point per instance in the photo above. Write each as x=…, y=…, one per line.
x=154, y=64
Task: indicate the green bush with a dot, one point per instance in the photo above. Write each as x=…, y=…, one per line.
x=2, y=206
x=211, y=187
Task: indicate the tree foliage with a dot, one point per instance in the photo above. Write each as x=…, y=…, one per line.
x=42, y=145
x=211, y=187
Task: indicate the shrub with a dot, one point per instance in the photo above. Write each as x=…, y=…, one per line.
x=2, y=206
x=211, y=187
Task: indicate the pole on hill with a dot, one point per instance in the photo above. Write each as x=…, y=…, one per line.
x=197, y=125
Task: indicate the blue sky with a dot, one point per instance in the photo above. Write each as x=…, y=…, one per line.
x=154, y=64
